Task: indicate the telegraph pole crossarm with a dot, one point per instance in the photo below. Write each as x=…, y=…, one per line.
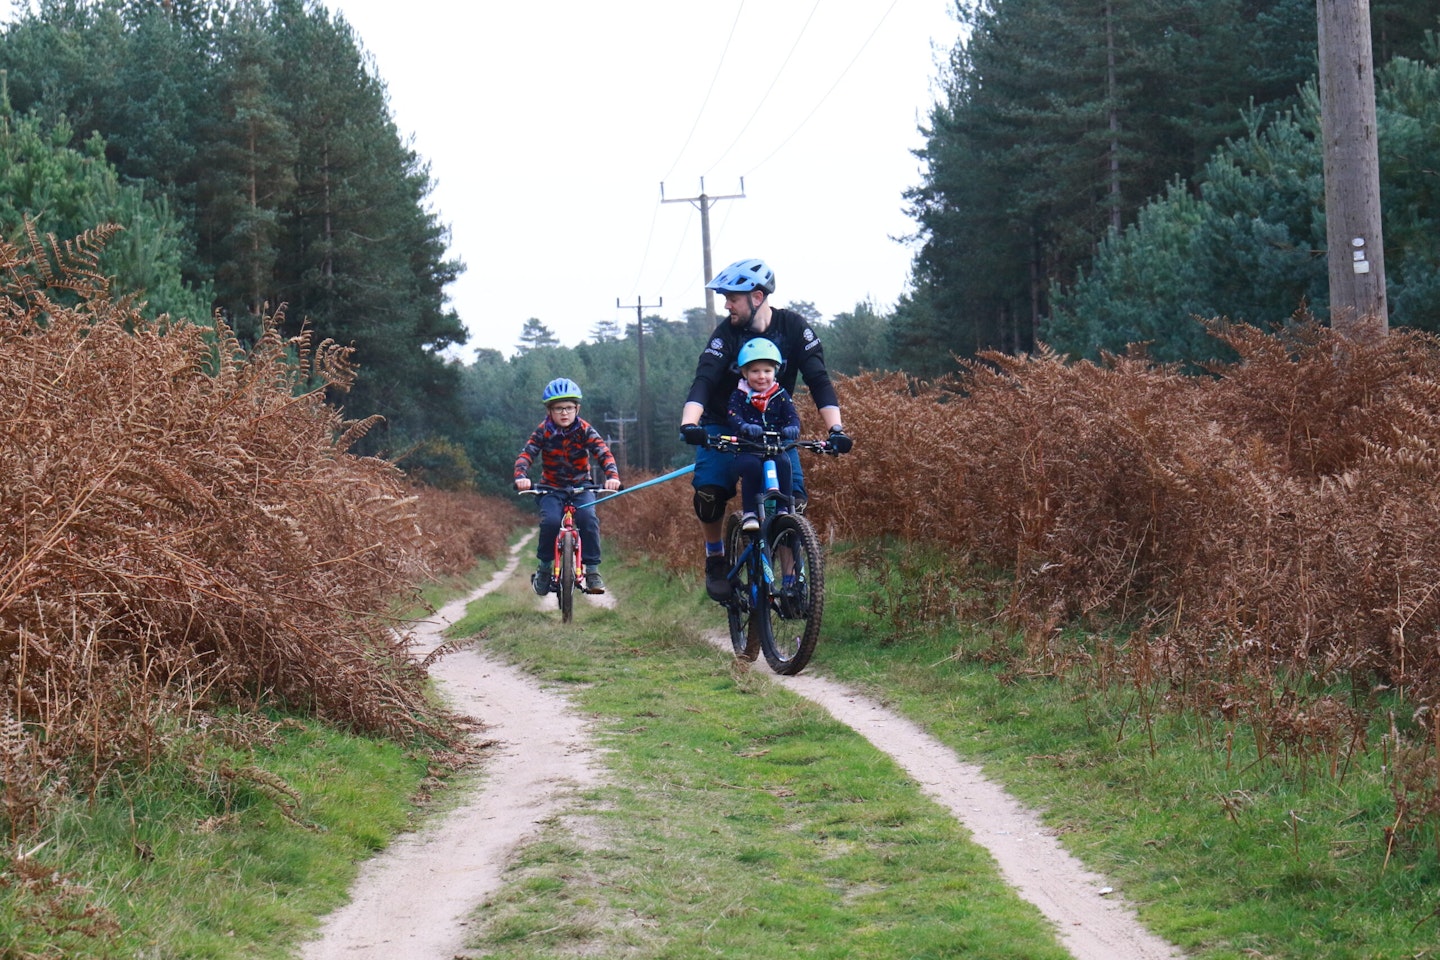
x=703, y=201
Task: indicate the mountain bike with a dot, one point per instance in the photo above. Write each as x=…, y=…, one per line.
x=567, y=571
x=777, y=574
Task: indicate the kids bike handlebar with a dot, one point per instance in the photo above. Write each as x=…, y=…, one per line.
x=538, y=488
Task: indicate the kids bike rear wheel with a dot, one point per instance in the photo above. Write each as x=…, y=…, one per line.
x=796, y=601
x=740, y=608
x=566, y=586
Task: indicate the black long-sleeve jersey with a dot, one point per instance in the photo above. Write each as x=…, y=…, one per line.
x=716, y=375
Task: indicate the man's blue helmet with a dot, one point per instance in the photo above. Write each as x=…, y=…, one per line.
x=743, y=276
x=758, y=348
x=561, y=388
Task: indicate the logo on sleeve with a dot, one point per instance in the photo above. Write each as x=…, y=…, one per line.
x=717, y=345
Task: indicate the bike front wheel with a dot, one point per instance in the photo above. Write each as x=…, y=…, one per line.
x=796, y=600
x=566, y=586
x=744, y=600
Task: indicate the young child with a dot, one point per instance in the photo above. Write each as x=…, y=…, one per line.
x=565, y=445
x=759, y=404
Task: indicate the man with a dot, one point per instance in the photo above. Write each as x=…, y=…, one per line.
x=747, y=285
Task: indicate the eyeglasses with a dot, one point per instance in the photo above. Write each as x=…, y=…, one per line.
x=564, y=408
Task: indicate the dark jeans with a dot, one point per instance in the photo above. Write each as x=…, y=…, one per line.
x=552, y=507
x=751, y=470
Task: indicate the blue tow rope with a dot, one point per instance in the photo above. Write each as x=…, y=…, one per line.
x=641, y=486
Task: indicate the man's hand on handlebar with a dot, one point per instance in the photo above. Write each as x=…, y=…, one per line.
x=522, y=484
x=693, y=434
x=839, y=440
x=612, y=483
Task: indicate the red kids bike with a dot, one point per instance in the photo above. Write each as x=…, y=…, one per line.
x=567, y=572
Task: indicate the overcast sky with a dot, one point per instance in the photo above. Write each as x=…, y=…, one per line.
x=550, y=125
x=549, y=128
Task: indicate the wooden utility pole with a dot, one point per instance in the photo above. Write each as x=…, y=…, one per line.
x=703, y=202
x=624, y=454
x=1356, y=248
x=643, y=402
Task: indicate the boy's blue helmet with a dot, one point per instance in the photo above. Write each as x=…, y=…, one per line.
x=742, y=276
x=561, y=388
x=758, y=348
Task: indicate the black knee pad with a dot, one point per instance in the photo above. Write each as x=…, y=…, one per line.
x=710, y=503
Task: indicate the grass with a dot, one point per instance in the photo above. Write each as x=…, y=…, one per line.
x=189, y=860
x=738, y=820
x=1225, y=855
x=742, y=821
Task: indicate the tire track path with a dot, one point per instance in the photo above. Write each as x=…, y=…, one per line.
x=412, y=901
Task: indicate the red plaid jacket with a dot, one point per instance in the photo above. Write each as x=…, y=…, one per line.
x=565, y=457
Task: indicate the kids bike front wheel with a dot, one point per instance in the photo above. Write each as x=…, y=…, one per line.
x=566, y=586
x=740, y=609
x=796, y=600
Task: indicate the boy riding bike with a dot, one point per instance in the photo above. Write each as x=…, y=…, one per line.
x=565, y=445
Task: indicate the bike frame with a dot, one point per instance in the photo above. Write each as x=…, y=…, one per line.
x=567, y=547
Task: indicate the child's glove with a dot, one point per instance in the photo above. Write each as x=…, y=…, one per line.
x=694, y=434
x=751, y=431
x=840, y=441
x=791, y=432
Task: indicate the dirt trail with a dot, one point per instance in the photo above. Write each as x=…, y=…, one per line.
x=411, y=902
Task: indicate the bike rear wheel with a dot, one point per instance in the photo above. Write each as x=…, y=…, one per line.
x=566, y=585
x=740, y=609
x=796, y=601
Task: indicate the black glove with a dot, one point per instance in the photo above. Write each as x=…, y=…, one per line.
x=840, y=441
x=751, y=431
x=694, y=434
x=790, y=433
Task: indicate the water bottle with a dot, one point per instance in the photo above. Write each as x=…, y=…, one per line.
x=772, y=479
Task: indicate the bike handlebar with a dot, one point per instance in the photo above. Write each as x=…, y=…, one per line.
x=538, y=488
x=770, y=444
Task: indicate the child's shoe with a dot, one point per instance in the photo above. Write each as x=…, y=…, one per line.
x=540, y=580
x=593, y=583
x=749, y=523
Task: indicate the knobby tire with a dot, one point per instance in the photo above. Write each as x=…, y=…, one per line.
x=740, y=608
x=792, y=614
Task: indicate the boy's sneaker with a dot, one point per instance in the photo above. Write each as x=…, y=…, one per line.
x=593, y=583
x=749, y=523
x=540, y=580
x=717, y=578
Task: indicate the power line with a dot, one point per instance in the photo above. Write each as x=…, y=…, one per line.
x=766, y=95
x=701, y=112
x=822, y=100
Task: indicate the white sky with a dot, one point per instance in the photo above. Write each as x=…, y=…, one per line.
x=550, y=125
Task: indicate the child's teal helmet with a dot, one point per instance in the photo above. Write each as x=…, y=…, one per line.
x=561, y=388
x=758, y=348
